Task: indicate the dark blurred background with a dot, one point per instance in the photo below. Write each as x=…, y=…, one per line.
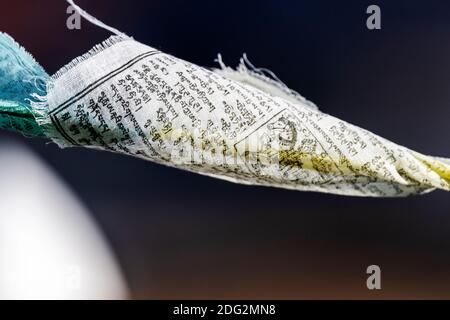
x=183, y=236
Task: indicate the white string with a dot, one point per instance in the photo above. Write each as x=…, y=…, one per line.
x=95, y=21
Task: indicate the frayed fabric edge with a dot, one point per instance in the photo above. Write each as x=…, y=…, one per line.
x=112, y=40
x=36, y=102
x=41, y=112
x=39, y=103
x=261, y=78
x=24, y=51
x=42, y=107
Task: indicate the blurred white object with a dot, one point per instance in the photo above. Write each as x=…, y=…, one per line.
x=49, y=246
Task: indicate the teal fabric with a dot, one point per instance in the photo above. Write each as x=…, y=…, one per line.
x=22, y=80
